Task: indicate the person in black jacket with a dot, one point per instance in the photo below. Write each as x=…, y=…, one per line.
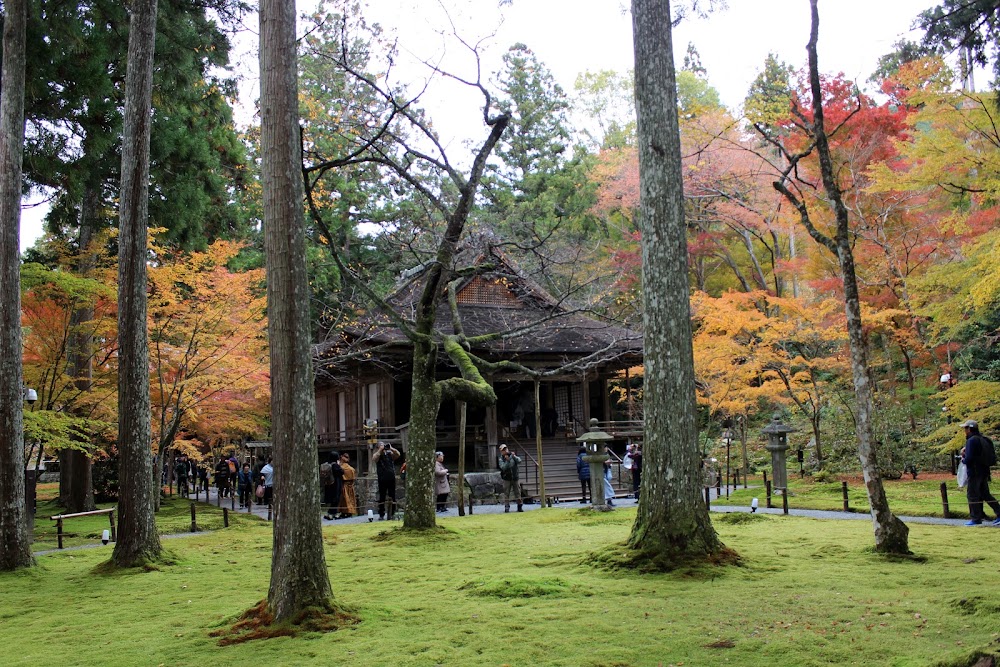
x=583, y=472
x=333, y=487
x=385, y=458
x=222, y=477
x=974, y=456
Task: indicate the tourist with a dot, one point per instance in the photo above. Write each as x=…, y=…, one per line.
x=181, y=473
x=441, y=485
x=333, y=476
x=267, y=481
x=348, y=498
x=203, y=478
x=636, y=470
x=385, y=458
x=244, y=483
x=509, y=473
x=978, y=455
x=609, y=490
x=222, y=477
x=583, y=472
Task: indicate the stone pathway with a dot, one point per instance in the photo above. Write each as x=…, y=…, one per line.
x=452, y=511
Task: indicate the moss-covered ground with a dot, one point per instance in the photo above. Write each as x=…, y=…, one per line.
x=519, y=589
x=907, y=496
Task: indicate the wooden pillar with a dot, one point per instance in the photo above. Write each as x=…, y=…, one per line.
x=485, y=457
x=585, y=391
x=628, y=395
x=606, y=390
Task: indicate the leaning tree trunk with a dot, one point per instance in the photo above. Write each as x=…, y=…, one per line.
x=421, y=439
x=15, y=542
x=138, y=541
x=299, y=578
x=890, y=533
x=672, y=523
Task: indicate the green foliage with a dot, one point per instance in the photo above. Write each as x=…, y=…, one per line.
x=61, y=430
x=607, y=100
x=972, y=399
x=903, y=51
x=695, y=95
x=73, y=110
x=968, y=24
x=770, y=94
x=961, y=299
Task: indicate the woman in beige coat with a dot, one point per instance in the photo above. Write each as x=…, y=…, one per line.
x=441, y=485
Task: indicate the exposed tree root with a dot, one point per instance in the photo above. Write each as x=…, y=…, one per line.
x=405, y=535
x=148, y=564
x=622, y=557
x=258, y=623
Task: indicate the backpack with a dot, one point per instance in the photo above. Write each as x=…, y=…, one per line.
x=232, y=467
x=989, y=451
x=326, y=473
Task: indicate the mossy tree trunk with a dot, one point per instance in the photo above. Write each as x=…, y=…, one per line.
x=672, y=524
x=138, y=542
x=15, y=542
x=299, y=578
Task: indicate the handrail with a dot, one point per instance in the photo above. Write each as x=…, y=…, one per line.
x=58, y=518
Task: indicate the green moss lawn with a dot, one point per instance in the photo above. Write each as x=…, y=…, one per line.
x=517, y=589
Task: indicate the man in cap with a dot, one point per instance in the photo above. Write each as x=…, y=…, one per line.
x=509, y=473
x=978, y=455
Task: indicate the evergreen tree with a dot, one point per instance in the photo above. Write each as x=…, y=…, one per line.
x=770, y=95
x=672, y=524
x=15, y=542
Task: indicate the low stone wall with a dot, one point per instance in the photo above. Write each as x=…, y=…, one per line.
x=366, y=490
x=486, y=488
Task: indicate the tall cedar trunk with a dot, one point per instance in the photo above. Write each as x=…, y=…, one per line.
x=890, y=533
x=138, y=541
x=422, y=441
x=672, y=522
x=15, y=542
x=299, y=578
x=80, y=491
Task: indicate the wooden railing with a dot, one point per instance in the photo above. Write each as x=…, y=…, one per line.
x=58, y=518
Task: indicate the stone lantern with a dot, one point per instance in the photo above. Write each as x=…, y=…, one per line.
x=777, y=444
x=595, y=440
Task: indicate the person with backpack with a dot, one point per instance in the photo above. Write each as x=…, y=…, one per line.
x=222, y=477
x=385, y=458
x=978, y=455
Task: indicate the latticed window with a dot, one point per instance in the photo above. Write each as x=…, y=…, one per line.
x=489, y=292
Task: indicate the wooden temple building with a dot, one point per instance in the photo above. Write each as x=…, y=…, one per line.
x=363, y=379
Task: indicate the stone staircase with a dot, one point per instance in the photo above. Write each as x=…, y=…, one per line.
x=561, y=481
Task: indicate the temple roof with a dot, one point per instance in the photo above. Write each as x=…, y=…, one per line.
x=496, y=296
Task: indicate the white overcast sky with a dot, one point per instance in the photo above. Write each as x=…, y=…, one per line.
x=573, y=36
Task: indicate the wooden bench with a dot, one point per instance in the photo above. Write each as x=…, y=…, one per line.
x=59, y=521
